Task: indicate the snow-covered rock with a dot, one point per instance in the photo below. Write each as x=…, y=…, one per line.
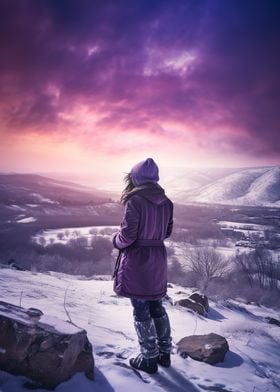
x=191, y=304
x=210, y=348
x=45, y=349
x=201, y=299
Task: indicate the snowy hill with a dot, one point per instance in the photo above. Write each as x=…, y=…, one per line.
x=29, y=198
x=36, y=189
x=250, y=187
x=178, y=180
x=252, y=364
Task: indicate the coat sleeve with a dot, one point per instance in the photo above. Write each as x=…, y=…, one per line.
x=170, y=222
x=129, y=226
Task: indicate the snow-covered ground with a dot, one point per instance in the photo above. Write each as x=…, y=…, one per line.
x=63, y=235
x=42, y=199
x=251, y=365
x=244, y=226
x=27, y=220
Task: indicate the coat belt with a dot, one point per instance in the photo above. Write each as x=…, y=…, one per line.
x=148, y=242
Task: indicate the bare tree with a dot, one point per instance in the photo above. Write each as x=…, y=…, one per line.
x=207, y=263
x=42, y=241
x=102, y=247
x=243, y=265
x=79, y=242
x=60, y=235
x=259, y=268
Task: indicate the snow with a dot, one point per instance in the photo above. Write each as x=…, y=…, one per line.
x=245, y=228
x=58, y=324
x=252, y=364
x=27, y=220
x=43, y=199
x=248, y=226
x=16, y=207
x=250, y=187
x=63, y=235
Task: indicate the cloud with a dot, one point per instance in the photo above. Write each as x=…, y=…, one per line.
x=82, y=68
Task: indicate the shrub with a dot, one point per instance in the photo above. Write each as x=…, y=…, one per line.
x=102, y=247
x=80, y=242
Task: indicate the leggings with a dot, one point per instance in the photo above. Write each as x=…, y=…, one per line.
x=143, y=309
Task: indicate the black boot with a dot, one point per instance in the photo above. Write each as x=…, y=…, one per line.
x=147, y=359
x=164, y=359
x=148, y=365
x=164, y=339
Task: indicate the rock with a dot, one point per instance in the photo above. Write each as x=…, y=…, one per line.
x=34, y=313
x=190, y=304
x=201, y=299
x=210, y=348
x=44, y=349
x=169, y=285
x=273, y=321
x=13, y=265
x=167, y=298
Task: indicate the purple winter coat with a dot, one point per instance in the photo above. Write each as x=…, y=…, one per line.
x=142, y=271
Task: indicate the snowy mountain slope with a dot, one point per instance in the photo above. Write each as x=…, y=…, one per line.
x=252, y=364
x=28, y=198
x=32, y=188
x=178, y=180
x=252, y=187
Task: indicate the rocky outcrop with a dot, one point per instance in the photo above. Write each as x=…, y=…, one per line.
x=190, y=304
x=201, y=299
x=45, y=349
x=196, y=302
x=210, y=348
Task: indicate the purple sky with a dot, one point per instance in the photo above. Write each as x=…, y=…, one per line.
x=89, y=83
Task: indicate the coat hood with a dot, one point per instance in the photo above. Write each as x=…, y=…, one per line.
x=150, y=191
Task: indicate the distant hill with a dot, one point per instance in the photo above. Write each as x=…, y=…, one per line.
x=35, y=189
x=248, y=187
x=35, y=200
x=178, y=180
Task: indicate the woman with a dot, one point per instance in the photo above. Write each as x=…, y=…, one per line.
x=141, y=269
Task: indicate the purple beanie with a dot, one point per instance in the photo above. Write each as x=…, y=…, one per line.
x=144, y=171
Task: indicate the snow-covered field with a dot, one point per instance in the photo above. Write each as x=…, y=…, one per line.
x=27, y=220
x=251, y=365
x=63, y=235
x=244, y=226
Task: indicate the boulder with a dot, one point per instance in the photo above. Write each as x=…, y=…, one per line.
x=190, y=304
x=210, y=348
x=201, y=299
x=44, y=349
